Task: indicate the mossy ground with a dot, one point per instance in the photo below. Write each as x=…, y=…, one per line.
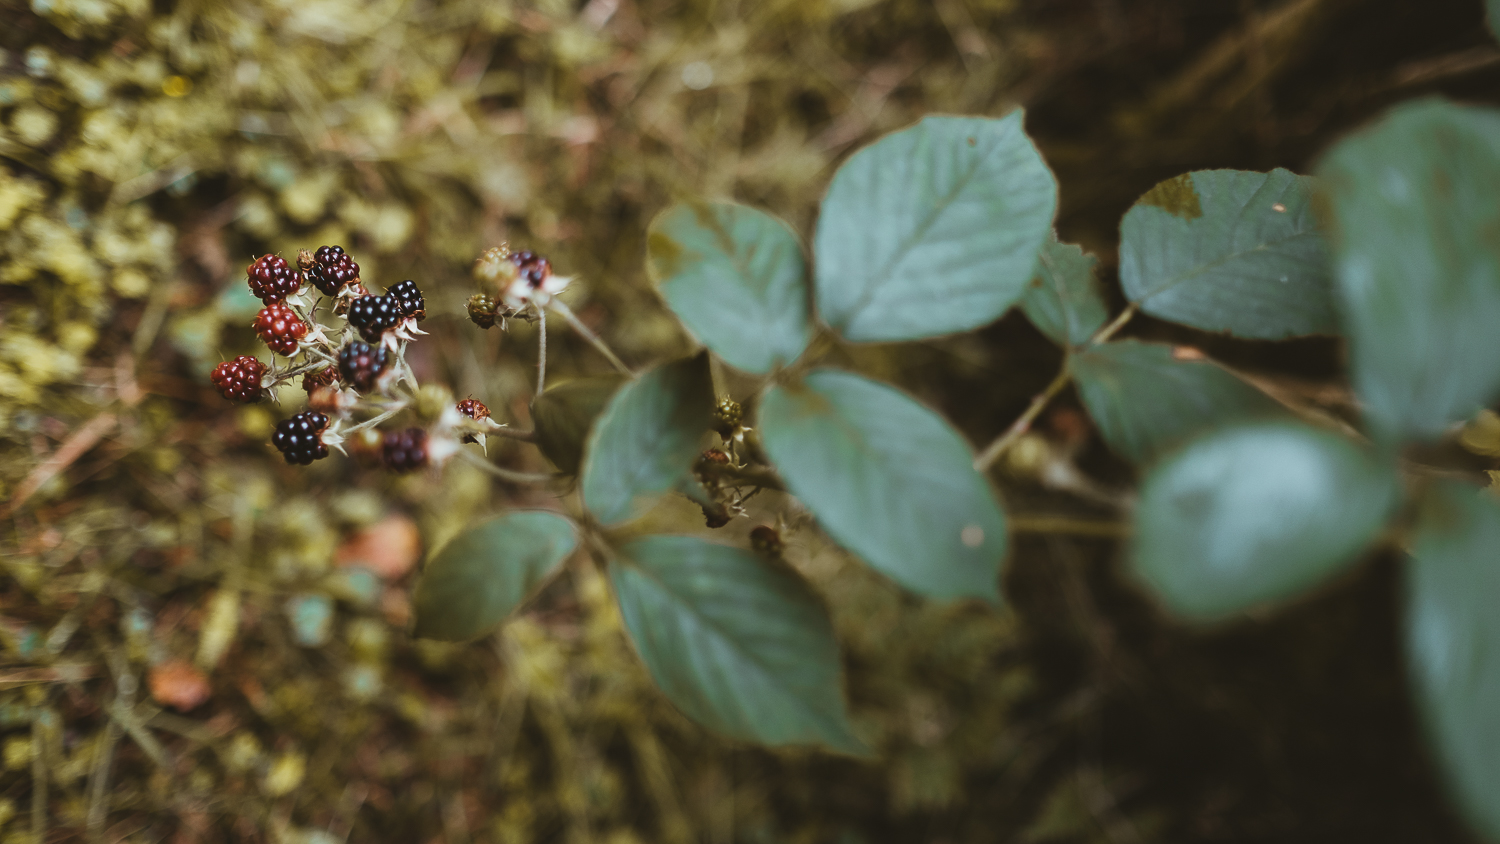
x=156, y=552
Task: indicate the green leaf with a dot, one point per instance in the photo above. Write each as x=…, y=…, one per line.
x=645, y=441
x=564, y=414
x=1064, y=301
x=889, y=480
x=1145, y=401
x=1417, y=238
x=932, y=230
x=1453, y=643
x=1230, y=250
x=740, y=646
x=1256, y=513
x=1494, y=17
x=480, y=577
x=736, y=278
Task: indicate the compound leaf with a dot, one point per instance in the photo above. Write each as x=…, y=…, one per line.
x=740, y=646
x=932, y=230
x=480, y=577
x=564, y=414
x=1256, y=513
x=1417, y=240
x=1453, y=643
x=1230, y=250
x=645, y=440
x=1063, y=300
x=1144, y=400
x=889, y=480
x=736, y=278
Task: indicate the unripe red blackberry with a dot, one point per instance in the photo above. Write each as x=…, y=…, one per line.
x=239, y=379
x=374, y=315
x=482, y=308
x=272, y=279
x=360, y=364
x=320, y=378
x=300, y=439
x=409, y=300
x=280, y=327
x=330, y=269
x=405, y=451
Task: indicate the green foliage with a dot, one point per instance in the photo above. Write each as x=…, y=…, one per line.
x=645, y=440
x=1146, y=401
x=1256, y=513
x=1453, y=642
x=890, y=480
x=564, y=414
x=736, y=278
x=739, y=644
x=1229, y=250
x=484, y=573
x=1064, y=301
x=932, y=230
x=1415, y=211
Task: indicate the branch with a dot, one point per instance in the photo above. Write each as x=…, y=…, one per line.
x=1022, y=424
x=573, y=320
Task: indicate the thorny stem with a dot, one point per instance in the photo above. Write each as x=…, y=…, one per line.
x=504, y=474
x=513, y=433
x=573, y=320
x=541, y=350
x=1023, y=422
x=376, y=420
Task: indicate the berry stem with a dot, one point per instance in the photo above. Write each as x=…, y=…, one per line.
x=541, y=349
x=1023, y=422
x=504, y=474
x=377, y=419
x=573, y=320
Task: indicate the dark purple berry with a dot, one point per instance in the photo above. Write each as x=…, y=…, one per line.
x=330, y=269
x=405, y=451
x=300, y=439
x=272, y=279
x=360, y=364
x=239, y=379
x=374, y=315
x=409, y=300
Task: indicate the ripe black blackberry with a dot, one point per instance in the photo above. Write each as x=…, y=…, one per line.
x=374, y=315
x=405, y=451
x=360, y=364
x=239, y=379
x=320, y=378
x=272, y=279
x=534, y=268
x=300, y=439
x=280, y=327
x=409, y=300
x=330, y=269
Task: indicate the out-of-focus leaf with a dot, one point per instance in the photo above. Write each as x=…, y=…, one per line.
x=736, y=278
x=1144, y=400
x=479, y=578
x=645, y=440
x=1256, y=513
x=1230, y=250
x=1063, y=300
x=1453, y=643
x=1417, y=238
x=564, y=414
x=889, y=480
x=932, y=230
x=742, y=647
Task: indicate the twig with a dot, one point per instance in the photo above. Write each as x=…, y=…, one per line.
x=1069, y=525
x=1023, y=423
x=541, y=350
x=74, y=447
x=375, y=420
x=514, y=433
x=573, y=320
x=504, y=474
x=1109, y=331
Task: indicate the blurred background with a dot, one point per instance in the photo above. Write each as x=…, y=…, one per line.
x=200, y=643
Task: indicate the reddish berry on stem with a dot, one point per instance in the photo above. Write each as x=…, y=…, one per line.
x=300, y=439
x=405, y=451
x=272, y=279
x=360, y=364
x=320, y=378
x=239, y=379
x=280, y=327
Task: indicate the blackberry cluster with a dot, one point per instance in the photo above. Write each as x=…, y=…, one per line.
x=482, y=310
x=405, y=451
x=272, y=279
x=360, y=364
x=375, y=315
x=280, y=327
x=239, y=379
x=534, y=269
x=330, y=269
x=320, y=378
x=409, y=300
x=300, y=439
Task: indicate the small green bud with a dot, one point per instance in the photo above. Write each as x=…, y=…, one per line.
x=727, y=416
x=432, y=401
